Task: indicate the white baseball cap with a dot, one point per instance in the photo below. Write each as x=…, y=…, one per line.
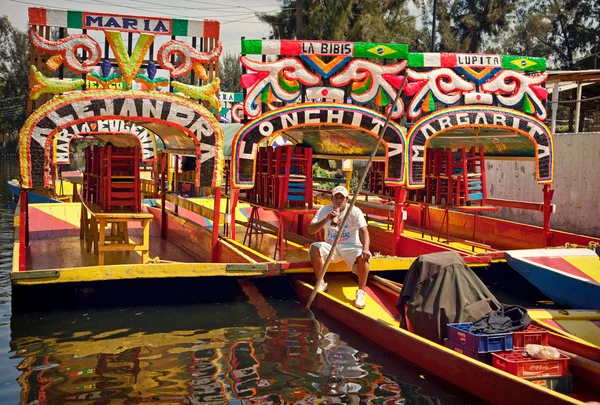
x=340, y=190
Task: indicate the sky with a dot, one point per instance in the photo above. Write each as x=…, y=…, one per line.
x=237, y=17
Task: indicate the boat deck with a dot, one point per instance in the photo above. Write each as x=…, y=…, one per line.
x=69, y=252
x=55, y=242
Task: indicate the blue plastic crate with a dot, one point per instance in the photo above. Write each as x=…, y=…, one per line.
x=483, y=357
x=479, y=342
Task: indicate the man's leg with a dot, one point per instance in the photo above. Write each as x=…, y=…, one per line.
x=362, y=267
x=315, y=259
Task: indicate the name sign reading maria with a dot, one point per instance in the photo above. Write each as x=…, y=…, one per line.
x=92, y=21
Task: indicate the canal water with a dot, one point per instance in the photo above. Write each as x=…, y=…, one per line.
x=201, y=341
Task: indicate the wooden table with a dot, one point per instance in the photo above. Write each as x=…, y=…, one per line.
x=74, y=180
x=93, y=231
x=281, y=213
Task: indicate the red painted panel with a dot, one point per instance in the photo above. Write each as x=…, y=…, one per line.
x=560, y=264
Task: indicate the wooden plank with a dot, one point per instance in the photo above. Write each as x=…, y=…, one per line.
x=138, y=271
x=33, y=274
x=524, y=205
x=197, y=208
x=122, y=247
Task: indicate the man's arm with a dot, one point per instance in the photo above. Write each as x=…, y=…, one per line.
x=315, y=227
x=366, y=241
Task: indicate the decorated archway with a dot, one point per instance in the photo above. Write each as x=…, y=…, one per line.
x=162, y=112
x=533, y=133
x=316, y=115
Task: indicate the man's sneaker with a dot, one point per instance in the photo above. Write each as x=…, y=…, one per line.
x=360, y=299
x=323, y=287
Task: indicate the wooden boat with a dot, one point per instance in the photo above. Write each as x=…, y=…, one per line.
x=33, y=198
x=378, y=323
x=569, y=277
x=254, y=222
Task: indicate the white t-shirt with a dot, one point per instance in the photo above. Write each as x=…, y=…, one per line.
x=350, y=233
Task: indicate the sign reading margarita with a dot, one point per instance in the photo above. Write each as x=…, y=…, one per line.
x=92, y=21
x=421, y=132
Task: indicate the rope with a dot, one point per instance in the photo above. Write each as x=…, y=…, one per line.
x=356, y=193
x=591, y=245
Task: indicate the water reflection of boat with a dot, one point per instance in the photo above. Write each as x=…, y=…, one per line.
x=378, y=322
x=288, y=361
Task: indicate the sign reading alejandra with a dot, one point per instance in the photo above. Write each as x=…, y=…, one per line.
x=133, y=108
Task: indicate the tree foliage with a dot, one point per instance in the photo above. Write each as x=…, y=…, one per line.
x=348, y=20
x=14, y=73
x=563, y=31
x=230, y=72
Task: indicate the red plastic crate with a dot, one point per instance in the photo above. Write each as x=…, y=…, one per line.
x=514, y=363
x=533, y=335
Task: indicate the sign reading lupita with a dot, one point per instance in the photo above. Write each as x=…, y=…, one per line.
x=92, y=21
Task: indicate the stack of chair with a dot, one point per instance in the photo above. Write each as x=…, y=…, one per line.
x=120, y=179
x=469, y=171
x=377, y=180
x=283, y=177
x=92, y=187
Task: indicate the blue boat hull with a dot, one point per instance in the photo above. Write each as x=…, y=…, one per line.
x=33, y=198
x=561, y=288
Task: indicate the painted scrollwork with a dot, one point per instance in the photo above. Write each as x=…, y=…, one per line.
x=67, y=49
x=513, y=87
x=282, y=77
x=189, y=56
x=444, y=84
x=371, y=80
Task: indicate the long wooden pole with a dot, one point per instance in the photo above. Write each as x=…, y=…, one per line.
x=356, y=192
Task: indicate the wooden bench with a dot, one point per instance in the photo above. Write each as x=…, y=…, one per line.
x=93, y=230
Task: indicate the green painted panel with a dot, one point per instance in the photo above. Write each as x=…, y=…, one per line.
x=74, y=19
x=179, y=27
x=252, y=47
x=523, y=63
x=384, y=51
x=416, y=60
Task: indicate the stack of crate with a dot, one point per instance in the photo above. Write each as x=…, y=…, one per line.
x=283, y=177
x=505, y=352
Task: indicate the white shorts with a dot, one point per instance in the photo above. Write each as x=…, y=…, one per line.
x=347, y=253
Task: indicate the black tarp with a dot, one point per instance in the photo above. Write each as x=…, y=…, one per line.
x=439, y=289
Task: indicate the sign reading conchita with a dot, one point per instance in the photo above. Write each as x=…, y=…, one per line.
x=249, y=137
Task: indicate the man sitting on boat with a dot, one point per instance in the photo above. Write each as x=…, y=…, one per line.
x=349, y=249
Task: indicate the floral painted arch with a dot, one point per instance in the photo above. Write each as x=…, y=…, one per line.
x=532, y=138
x=314, y=116
x=172, y=113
